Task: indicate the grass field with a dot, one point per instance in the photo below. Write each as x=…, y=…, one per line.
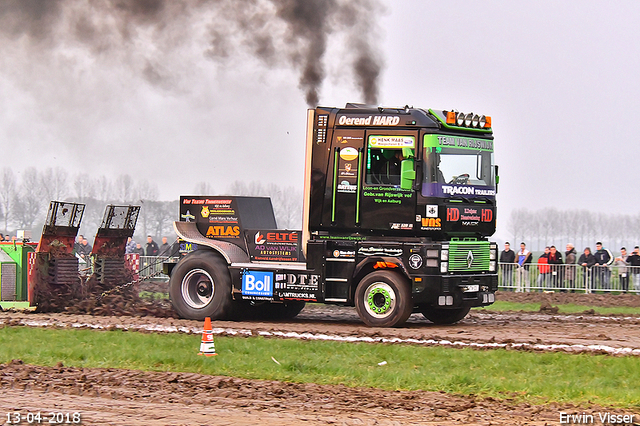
x=564, y=309
x=534, y=377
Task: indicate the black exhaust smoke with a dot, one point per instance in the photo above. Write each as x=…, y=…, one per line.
x=289, y=33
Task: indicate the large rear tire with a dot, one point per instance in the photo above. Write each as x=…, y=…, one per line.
x=383, y=299
x=444, y=316
x=200, y=287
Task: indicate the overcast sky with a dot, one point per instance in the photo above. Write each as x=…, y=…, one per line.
x=559, y=78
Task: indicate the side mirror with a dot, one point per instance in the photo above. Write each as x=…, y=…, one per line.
x=497, y=177
x=407, y=174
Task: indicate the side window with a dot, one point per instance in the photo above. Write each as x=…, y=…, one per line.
x=384, y=158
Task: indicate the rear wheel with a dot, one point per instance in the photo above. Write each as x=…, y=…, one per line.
x=383, y=299
x=200, y=287
x=444, y=316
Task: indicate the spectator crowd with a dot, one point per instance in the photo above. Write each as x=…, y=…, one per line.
x=552, y=270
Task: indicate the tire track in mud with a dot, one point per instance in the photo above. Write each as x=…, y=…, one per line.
x=480, y=330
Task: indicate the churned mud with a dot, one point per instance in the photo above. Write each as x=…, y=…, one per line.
x=124, y=397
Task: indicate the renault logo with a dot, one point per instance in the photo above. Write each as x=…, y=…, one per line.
x=469, y=259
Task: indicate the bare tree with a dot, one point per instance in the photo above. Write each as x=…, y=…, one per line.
x=53, y=183
x=203, y=188
x=124, y=188
x=30, y=203
x=7, y=194
x=84, y=187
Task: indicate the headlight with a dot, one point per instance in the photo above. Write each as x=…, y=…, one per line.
x=444, y=267
x=475, y=120
x=492, y=266
x=492, y=255
x=467, y=119
x=444, y=255
x=460, y=119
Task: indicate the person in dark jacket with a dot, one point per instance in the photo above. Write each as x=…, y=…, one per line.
x=603, y=260
x=138, y=250
x=554, y=259
x=570, y=270
x=587, y=260
x=152, y=247
x=507, y=265
x=634, y=263
x=165, y=248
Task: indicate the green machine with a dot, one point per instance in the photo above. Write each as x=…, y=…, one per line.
x=14, y=267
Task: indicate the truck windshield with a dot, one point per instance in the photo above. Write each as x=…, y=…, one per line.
x=458, y=166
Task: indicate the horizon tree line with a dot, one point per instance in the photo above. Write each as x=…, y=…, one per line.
x=25, y=197
x=581, y=227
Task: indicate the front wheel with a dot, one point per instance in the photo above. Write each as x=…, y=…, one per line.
x=383, y=299
x=444, y=316
x=200, y=287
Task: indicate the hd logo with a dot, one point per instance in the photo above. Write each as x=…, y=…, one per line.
x=256, y=283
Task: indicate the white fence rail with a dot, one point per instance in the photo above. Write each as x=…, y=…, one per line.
x=568, y=278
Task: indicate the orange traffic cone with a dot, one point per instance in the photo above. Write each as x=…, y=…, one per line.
x=207, y=347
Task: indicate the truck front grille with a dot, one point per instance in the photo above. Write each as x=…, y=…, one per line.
x=468, y=256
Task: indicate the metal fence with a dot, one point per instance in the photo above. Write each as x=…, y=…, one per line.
x=151, y=266
x=568, y=278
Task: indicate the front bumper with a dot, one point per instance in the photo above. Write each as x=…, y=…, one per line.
x=455, y=290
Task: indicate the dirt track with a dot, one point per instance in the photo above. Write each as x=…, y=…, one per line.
x=136, y=398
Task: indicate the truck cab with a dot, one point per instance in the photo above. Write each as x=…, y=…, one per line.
x=399, y=203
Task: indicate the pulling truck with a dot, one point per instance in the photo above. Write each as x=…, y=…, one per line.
x=398, y=206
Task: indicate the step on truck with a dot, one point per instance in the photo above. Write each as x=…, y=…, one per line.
x=398, y=205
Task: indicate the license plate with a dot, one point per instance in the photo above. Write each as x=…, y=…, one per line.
x=472, y=287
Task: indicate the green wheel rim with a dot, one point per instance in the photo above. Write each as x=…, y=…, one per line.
x=380, y=299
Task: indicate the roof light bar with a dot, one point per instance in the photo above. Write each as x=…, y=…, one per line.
x=472, y=120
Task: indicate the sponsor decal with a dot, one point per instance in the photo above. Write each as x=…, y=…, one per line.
x=344, y=253
x=205, y=211
x=460, y=142
x=466, y=191
x=188, y=247
x=301, y=282
x=415, y=261
x=280, y=246
x=188, y=217
x=223, y=231
x=432, y=210
x=469, y=216
x=391, y=141
x=348, y=153
x=347, y=187
x=379, y=251
x=401, y=226
x=257, y=283
x=203, y=201
x=372, y=120
x=223, y=219
x=387, y=195
x=431, y=224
